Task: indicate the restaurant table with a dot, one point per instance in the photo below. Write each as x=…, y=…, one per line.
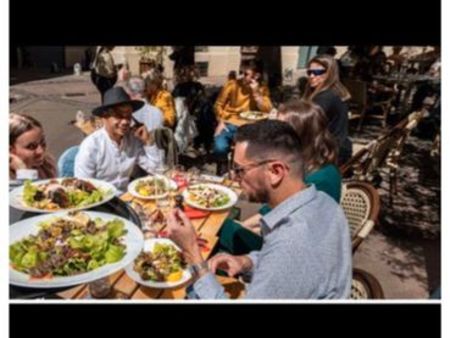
x=123, y=287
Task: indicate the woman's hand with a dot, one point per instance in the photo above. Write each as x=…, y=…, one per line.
x=16, y=163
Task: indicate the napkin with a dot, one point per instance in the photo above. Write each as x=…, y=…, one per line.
x=193, y=213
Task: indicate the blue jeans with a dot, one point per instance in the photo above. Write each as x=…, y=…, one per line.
x=223, y=141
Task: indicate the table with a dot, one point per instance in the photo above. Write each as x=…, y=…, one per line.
x=124, y=287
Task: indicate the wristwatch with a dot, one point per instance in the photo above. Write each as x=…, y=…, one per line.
x=196, y=269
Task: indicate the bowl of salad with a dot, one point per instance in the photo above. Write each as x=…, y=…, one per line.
x=211, y=197
x=71, y=248
x=151, y=187
x=61, y=194
x=160, y=265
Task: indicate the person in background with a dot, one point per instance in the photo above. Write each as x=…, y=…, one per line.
x=326, y=90
x=28, y=149
x=150, y=116
x=104, y=73
x=160, y=98
x=237, y=96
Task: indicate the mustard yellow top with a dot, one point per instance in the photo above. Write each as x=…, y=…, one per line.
x=164, y=101
x=235, y=98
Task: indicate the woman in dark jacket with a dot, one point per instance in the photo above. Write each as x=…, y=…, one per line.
x=325, y=89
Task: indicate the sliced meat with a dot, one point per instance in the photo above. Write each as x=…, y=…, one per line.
x=39, y=196
x=85, y=186
x=59, y=196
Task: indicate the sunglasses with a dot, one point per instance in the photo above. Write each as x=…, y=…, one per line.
x=238, y=171
x=316, y=72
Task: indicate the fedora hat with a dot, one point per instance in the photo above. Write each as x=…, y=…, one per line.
x=114, y=97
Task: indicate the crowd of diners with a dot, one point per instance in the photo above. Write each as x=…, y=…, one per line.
x=298, y=245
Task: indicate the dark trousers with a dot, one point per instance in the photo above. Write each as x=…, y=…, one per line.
x=103, y=83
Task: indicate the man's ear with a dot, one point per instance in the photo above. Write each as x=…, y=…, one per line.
x=276, y=173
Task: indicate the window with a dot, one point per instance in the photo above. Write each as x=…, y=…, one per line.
x=202, y=68
x=306, y=53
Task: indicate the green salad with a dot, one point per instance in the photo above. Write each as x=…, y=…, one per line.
x=64, y=194
x=163, y=264
x=207, y=196
x=70, y=245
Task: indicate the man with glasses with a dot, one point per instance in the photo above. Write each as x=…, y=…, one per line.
x=306, y=253
x=237, y=96
x=111, y=153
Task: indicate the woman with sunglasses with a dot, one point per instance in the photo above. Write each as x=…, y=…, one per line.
x=27, y=149
x=319, y=153
x=325, y=89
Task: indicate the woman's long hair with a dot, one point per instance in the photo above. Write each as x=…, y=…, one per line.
x=331, y=79
x=20, y=124
x=310, y=122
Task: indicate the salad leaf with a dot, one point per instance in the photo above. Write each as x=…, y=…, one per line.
x=114, y=253
x=29, y=190
x=115, y=228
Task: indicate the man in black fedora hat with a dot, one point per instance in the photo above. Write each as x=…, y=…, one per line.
x=111, y=153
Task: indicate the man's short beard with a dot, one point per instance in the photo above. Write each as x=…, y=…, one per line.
x=261, y=196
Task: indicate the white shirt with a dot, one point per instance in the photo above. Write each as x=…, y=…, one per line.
x=101, y=158
x=152, y=118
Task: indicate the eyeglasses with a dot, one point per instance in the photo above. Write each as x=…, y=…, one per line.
x=239, y=171
x=316, y=72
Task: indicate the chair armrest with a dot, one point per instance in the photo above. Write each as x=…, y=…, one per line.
x=366, y=229
x=362, y=234
x=355, y=159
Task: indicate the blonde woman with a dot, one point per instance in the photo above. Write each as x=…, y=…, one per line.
x=27, y=147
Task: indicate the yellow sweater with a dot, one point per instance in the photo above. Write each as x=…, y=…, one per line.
x=236, y=98
x=164, y=101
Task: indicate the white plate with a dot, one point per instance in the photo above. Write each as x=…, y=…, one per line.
x=133, y=239
x=17, y=202
x=148, y=246
x=233, y=197
x=132, y=187
x=248, y=115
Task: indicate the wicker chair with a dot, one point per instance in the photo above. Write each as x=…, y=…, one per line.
x=393, y=158
x=385, y=152
x=361, y=204
x=358, y=101
x=360, y=105
x=365, y=286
